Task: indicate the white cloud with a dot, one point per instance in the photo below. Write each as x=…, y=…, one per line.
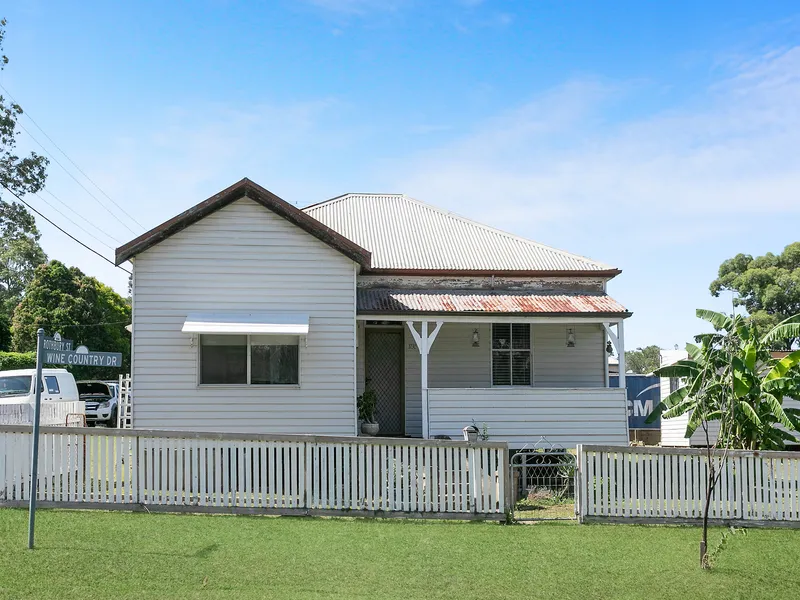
x=734, y=150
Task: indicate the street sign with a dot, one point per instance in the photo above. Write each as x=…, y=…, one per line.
x=57, y=351
x=56, y=343
x=86, y=358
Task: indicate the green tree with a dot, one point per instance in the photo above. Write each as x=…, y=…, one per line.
x=767, y=286
x=643, y=360
x=732, y=378
x=80, y=308
x=5, y=332
x=20, y=253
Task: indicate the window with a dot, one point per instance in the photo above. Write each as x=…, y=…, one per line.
x=249, y=359
x=274, y=360
x=51, y=384
x=511, y=354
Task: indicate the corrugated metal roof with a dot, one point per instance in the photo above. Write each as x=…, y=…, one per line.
x=381, y=300
x=403, y=233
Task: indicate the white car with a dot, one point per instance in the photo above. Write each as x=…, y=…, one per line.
x=17, y=386
x=101, y=400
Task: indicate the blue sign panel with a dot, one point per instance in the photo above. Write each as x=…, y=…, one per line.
x=644, y=394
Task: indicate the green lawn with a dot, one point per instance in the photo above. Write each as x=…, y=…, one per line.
x=123, y=555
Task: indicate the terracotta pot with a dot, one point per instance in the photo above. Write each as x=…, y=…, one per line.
x=369, y=428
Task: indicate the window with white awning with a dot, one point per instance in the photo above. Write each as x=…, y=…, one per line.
x=248, y=348
x=247, y=323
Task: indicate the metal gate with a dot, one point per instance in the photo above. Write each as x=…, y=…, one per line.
x=543, y=483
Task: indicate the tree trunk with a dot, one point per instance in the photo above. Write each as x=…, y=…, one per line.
x=704, y=541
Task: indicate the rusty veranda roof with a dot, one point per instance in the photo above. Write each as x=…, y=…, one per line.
x=406, y=235
x=387, y=301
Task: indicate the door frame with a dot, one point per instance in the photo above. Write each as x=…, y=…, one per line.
x=389, y=328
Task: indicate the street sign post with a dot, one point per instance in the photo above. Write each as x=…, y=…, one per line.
x=57, y=351
x=35, y=451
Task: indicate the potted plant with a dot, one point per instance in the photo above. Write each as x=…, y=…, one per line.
x=367, y=405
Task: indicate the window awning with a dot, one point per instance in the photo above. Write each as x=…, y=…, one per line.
x=277, y=323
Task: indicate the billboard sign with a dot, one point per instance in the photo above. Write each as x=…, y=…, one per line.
x=644, y=394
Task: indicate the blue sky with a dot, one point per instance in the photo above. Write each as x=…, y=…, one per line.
x=658, y=137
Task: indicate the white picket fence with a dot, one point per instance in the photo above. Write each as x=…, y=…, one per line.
x=668, y=485
x=53, y=414
x=255, y=473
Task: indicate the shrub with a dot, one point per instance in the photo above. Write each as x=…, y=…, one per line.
x=17, y=360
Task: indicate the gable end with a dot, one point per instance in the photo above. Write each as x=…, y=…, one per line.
x=245, y=189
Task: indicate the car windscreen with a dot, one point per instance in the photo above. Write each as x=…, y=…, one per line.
x=94, y=389
x=15, y=385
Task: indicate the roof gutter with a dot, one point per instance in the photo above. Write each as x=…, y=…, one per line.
x=606, y=273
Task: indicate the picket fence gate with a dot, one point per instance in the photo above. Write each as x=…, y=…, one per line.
x=206, y=472
x=668, y=485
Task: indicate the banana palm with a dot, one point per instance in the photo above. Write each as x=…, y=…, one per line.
x=731, y=377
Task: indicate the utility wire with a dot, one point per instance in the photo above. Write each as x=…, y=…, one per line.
x=62, y=326
x=74, y=164
x=81, y=217
x=96, y=199
x=72, y=237
x=73, y=222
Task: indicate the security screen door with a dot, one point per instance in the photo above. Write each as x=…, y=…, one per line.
x=384, y=374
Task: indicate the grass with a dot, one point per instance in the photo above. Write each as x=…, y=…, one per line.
x=93, y=554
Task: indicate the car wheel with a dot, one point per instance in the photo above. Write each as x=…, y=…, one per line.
x=112, y=422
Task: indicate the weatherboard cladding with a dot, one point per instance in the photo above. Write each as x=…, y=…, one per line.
x=403, y=233
x=400, y=301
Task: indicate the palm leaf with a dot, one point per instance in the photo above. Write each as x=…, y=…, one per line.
x=708, y=338
x=784, y=365
x=777, y=410
x=786, y=329
x=667, y=403
x=717, y=319
x=694, y=352
x=682, y=368
x=679, y=409
x=695, y=420
x=750, y=413
x=750, y=355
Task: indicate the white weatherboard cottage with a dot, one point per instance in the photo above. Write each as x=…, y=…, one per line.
x=250, y=315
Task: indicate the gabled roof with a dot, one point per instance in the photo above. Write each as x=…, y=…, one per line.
x=245, y=189
x=406, y=235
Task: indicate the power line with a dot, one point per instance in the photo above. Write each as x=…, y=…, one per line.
x=62, y=326
x=75, y=179
x=81, y=217
x=74, y=164
x=72, y=237
x=71, y=221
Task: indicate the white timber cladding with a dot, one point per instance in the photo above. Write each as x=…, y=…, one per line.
x=455, y=363
x=403, y=233
x=244, y=258
x=673, y=431
x=520, y=416
x=556, y=365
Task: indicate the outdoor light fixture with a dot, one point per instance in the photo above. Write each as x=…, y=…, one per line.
x=570, y=338
x=476, y=338
x=609, y=347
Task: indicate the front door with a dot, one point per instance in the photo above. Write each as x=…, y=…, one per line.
x=384, y=374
